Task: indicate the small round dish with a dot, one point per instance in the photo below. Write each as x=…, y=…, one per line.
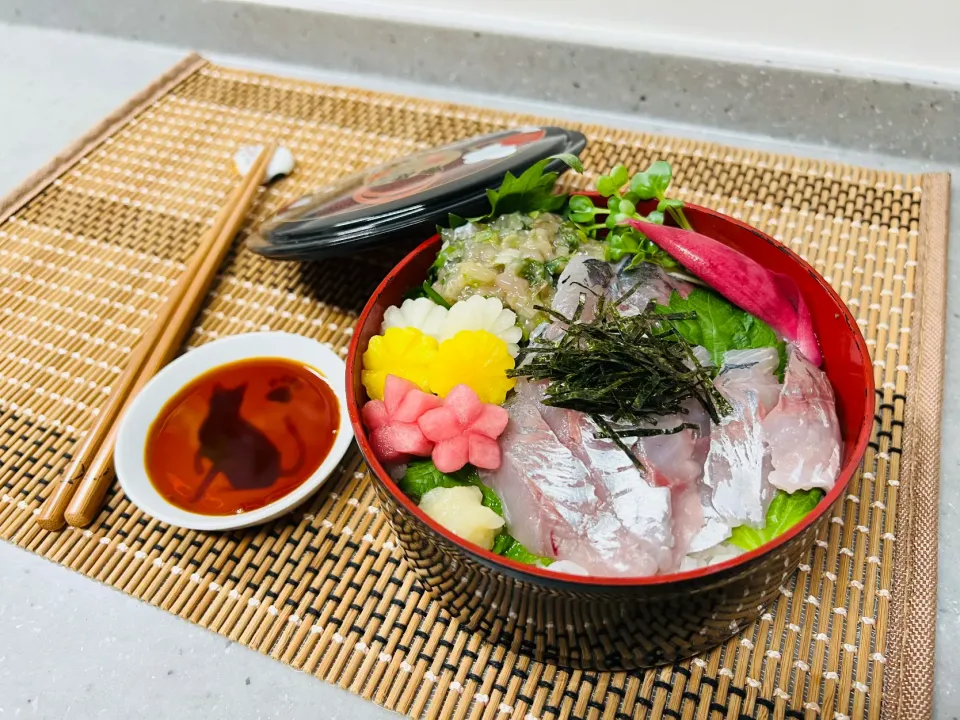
x=130, y=453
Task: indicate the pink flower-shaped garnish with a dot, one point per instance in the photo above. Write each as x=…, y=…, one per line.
x=394, y=433
x=464, y=430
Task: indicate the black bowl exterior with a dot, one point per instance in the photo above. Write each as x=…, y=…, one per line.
x=600, y=628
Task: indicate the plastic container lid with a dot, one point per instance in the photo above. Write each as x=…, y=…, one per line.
x=408, y=196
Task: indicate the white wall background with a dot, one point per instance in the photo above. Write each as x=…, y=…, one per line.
x=916, y=40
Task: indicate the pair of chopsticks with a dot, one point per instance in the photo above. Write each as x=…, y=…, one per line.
x=78, y=496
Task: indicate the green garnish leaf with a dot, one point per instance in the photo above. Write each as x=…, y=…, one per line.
x=531, y=192
x=535, y=273
x=415, y=292
x=666, y=203
x=786, y=510
x=422, y=476
x=660, y=175
x=620, y=175
x=716, y=324
x=606, y=186
x=455, y=221
x=570, y=159
x=429, y=292
x=507, y=545
x=557, y=265
x=582, y=204
x=621, y=244
x=642, y=186
x=782, y=367
x=609, y=185
x=502, y=543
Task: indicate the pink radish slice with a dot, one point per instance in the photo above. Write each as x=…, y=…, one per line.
x=465, y=403
x=406, y=438
x=450, y=455
x=484, y=452
x=439, y=424
x=374, y=414
x=394, y=390
x=772, y=297
x=414, y=404
x=383, y=447
x=491, y=422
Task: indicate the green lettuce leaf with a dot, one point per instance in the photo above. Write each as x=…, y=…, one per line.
x=510, y=548
x=786, y=510
x=719, y=326
x=422, y=476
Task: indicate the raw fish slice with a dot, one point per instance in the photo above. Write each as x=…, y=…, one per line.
x=677, y=459
x=713, y=529
x=584, y=276
x=677, y=462
x=633, y=530
x=654, y=283
x=546, y=495
x=803, y=431
x=711, y=556
x=738, y=462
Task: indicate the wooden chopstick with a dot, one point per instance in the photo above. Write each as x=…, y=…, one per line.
x=83, y=485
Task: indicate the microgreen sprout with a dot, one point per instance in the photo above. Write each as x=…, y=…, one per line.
x=623, y=194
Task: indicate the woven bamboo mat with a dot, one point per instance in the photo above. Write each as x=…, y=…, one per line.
x=91, y=245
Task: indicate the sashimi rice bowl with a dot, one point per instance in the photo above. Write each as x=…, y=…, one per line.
x=607, y=426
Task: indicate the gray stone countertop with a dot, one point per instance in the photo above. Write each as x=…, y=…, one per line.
x=71, y=648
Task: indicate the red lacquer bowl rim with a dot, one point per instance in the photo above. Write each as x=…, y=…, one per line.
x=533, y=572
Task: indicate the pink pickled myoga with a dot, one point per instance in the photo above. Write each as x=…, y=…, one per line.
x=457, y=430
x=772, y=297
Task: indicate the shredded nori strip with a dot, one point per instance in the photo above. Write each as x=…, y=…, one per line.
x=626, y=373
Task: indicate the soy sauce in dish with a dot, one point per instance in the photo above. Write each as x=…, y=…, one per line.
x=241, y=436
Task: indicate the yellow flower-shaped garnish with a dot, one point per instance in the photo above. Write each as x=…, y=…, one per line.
x=404, y=352
x=476, y=358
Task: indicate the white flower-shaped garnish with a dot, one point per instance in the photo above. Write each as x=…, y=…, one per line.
x=480, y=313
x=422, y=313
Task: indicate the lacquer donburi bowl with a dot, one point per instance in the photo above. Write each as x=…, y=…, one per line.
x=622, y=623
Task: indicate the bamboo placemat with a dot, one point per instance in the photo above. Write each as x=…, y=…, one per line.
x=90, y=246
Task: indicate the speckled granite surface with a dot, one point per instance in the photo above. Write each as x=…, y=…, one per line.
x=70, y=648
x=892, y=118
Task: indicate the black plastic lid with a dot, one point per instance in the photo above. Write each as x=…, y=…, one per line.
x=409, y=195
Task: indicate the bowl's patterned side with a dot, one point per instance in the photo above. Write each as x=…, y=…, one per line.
x=609, y=628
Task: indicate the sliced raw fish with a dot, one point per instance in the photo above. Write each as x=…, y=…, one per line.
x=546, y=494
x=633, y=533
x=803, y=431
x=584, y=277
x=654, y=284
x=711, y=556
x=580, y=498
x=713, y=528
x=677, y=459
x=738, y=462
